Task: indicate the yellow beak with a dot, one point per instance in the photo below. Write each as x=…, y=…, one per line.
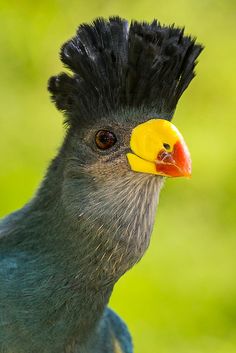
x=159, y=148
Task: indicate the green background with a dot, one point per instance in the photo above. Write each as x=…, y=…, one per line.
x=181, y=298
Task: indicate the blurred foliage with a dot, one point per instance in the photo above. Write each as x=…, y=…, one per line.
x=182, y=297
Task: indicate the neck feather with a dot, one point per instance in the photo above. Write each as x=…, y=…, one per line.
x=71, y=254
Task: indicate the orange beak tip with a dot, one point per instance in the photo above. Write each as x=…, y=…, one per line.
x=176, y=163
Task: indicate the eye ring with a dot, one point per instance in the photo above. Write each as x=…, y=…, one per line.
x=105, y=139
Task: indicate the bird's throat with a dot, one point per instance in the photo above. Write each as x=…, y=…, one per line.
x=76, y=241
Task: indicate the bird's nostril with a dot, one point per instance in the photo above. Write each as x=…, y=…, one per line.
x=166, y=146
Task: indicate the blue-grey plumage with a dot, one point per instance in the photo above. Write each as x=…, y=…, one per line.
x=58, y=267
x=91, y=219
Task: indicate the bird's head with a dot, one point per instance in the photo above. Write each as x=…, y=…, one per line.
x=120, y=143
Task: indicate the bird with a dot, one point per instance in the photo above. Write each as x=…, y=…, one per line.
x=92, y=216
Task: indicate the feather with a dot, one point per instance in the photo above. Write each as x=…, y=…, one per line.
x=115, y=66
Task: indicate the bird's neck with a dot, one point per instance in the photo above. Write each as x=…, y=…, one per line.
x=63, y=274
x=73, y=257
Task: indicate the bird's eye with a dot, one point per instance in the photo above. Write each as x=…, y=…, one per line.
x=105, y=139
x=166, y=146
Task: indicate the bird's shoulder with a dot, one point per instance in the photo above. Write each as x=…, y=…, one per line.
x=122, y=342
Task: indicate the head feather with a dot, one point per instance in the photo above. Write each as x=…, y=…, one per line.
x=116, y=66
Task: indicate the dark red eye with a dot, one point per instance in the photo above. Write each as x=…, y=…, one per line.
x=105, y=139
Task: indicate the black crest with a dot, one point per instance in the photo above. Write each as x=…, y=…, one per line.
x=115, y=65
